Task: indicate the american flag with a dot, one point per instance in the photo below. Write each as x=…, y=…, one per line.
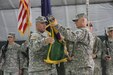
x=24, y=20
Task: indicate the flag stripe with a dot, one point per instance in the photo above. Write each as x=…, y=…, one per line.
x=19, y=22
x=23, y=18
x=23, y=23
x=26, y=3
x=20, y=12
x=25, y=26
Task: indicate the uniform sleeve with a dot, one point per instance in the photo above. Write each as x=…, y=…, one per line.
x=70, y=35
x=23, y=55
x=19, y=55
x=1, y=58
x=98, y=47
x=1, y=52
x=104, y=50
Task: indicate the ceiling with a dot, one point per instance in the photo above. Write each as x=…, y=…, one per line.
x=13, y=4
x=100, y=14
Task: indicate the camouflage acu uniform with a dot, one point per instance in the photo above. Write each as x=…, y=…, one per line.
x=109, y=64
x=70, y=48
x=24, y=56
x=37, y=53
x=11, y=65
x=82, y=62
x=97, y=52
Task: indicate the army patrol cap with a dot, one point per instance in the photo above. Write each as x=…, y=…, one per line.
x=11, y=34
x=110, y=29
x=41, y=19
x=79, y=16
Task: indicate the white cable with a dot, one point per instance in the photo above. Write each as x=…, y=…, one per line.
x=10, y=1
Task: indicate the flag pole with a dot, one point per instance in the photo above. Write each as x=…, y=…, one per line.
x=29, y=20
x=87, y=10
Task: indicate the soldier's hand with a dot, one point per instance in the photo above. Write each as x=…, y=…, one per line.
x=20, y=72
x=49, y=40
x=108, y=58
x=25, y=43
x=94, y=56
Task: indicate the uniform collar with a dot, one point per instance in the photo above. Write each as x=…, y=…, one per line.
x=43, y=34
x=85, y=28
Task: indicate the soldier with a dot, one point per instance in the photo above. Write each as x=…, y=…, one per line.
x=108, y=52
x=10, y=54
x=82, y=62
x=25, y=58
x=38, y=50
x=97, y=52
x=97, y=56
x=25, y=55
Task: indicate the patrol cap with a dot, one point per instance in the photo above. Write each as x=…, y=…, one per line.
x=110, y=29
x=11, y=34
x=78, y=16
x=41, y=19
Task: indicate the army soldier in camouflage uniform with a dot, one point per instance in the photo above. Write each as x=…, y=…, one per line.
x=12, y=62
x=97, y=56
x=82, y=62
x=108, y=52
x=38, y=50
x=25, y=55
x=25, y=58
x=97, y=52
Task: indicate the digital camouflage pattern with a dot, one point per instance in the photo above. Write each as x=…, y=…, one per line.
x=109, y=64
x=97, y=52
x=37, y=54
x=82, y=62
x=25, y=58
x=12, y=62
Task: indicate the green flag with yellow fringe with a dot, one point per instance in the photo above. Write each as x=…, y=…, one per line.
x=56, y=51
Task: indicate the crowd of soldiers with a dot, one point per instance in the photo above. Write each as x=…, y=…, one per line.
x=85, y=48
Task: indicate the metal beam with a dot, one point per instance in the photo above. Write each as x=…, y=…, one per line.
x=62, y=5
